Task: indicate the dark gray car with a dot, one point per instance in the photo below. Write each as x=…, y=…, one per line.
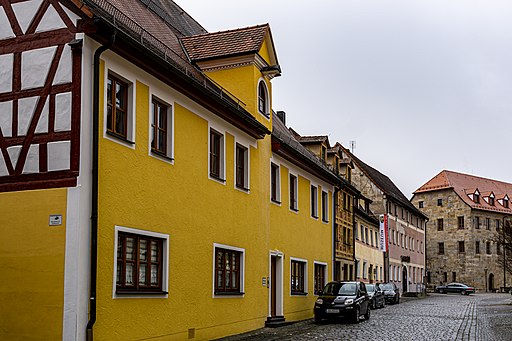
x=376, y=294
x=346, y=299
x=391, y=292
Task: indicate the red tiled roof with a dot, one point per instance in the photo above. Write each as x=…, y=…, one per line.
x=225, y=43
x=464, y=184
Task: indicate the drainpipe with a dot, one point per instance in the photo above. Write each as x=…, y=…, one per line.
x=334, y=232
x=94, y=199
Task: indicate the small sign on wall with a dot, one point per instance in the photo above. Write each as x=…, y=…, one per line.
x=264, y=281
x=55, y=220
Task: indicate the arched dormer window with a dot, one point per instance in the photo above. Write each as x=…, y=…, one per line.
x=263, y=99
x=476, y=197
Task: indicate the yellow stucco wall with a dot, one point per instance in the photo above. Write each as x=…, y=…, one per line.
x=298, y=235
x=32, y=265
x=143, y=192
x=368, y=253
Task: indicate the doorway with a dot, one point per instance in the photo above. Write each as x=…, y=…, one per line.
x=275, y=285
x=404, y=279
x=491, y=282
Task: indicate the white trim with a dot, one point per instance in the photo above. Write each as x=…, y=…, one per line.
x=165, y=260
x=278, y=281
x=222, y=175
x=162, y=96
x=325, y=208
x=267, y=113
x=71, y=265
x=306, y=278
x=296, y=192
x=247, y=167
x=278, y=184
x=242, y=270
x=326, y=272
x=316, y=216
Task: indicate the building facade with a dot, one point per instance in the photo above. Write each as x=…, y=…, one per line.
x=404, y=261
x=466, y=215
x=147, y=188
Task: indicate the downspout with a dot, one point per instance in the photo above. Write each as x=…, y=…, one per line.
x=334, y=232
x=95, y=172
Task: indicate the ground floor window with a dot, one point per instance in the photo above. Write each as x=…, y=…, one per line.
x=228, y=270
x=320, y=275
x=298, y=277
x=140, y=262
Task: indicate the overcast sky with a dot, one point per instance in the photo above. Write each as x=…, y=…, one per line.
x=420, y=85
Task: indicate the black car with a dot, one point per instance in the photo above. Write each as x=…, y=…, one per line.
x=458, y=288
x=391, y=292
x=346, y=299
x=376, y=294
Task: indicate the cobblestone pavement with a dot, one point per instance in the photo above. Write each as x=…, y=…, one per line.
x=437, y=317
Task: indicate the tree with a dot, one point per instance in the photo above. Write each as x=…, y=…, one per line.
x=504, y=240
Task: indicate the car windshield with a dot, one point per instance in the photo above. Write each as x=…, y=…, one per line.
x=370, y=287
x=387, y=286
x=342, y=289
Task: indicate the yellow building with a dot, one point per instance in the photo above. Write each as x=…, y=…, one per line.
x=147, y=190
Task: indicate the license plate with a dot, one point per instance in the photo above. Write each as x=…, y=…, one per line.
x=332, y=311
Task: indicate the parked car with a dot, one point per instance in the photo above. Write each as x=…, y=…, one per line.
x=458, y=288
x=345, y=299
x=376, y=294
x=391, y=292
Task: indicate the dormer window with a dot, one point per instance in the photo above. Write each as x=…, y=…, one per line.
x=476, y=197
x=505, y=202
x=491, y=200
x=262, y=99
x=324, y=153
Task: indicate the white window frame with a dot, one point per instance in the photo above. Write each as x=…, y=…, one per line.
x=277, y=200
x=325, y=207
x=222, y=165
x=306, y=276
x=130, y=112
x=326, y=280
x=242, y=270
x=165, y=262
x=266, y=114
x=247, y=164
x=313, y=204
x=169, y=155
x=296, y=192
x=365, y=269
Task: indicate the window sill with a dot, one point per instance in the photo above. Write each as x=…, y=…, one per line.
x=229, y=293
x=299, y=293
x=118, y=137
x=161, y=155
x=139, y=292
x=294, y=209
x=314, y=216
x=216, y=177
x=242, y=188
x=325, y=221
x=275, y=201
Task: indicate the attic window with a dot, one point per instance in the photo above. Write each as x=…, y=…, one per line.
x=324, y=153
x=505, y=202
x=476, y=197
x=491, y=200
x=263, y=99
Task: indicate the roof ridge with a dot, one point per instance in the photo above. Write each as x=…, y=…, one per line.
x=247, y=28
x=477, y=177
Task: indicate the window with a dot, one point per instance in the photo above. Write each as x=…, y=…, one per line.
x=320, y=275
x=477, y=247
x=371, y=238
x=477, y=222
x=262, y=99
x=440, y=224
x=365, y=275
x=117, y=107
x=161, y=128
x=487, y=223
x=461, y=247
x=460, y=222
x=228, y=270
x=325, y=207
x=366, y=239
x=140, y=262
x=242, y=167
x=439, y=202
x=476, y=197
x=293, y=193
x=505, y=202
x=440, y=248
x=324, y=153
x=356, y=233
x=454, y=276
x=362, y=234
x=275, y=183
x=445, y=276
x=314, y=202
x=491, y=200
x=488, y=248
x=497, y=224
x=216, y=155
x=420, y=204
x=298, y=277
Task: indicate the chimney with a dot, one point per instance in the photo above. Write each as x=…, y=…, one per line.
x=282, y=116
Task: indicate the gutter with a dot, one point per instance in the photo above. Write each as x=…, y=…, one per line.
x=95, y=191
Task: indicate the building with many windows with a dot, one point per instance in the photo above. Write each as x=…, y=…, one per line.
x=147, y=188
x=404, y=261
x=467, y=213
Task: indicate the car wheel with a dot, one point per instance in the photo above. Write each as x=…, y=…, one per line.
x=463, y=292
x=318, y=319
x=441, y=291
x=374, y=304
x=356, y=315
x=367, y=315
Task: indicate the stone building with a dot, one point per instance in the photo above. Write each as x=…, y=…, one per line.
x=404, y=260
x=466, y=214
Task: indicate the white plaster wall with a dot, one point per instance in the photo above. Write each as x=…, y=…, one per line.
x=5, y=26
x=50, y=21
x=35, y=65
x=42, y=124
x=32, y=162
x=6, y=64
x=63, y=73
x=26, y=108
x=63, y=112
x=3, y=167
x=25, y=12
x=58, y=155
x=6, y=118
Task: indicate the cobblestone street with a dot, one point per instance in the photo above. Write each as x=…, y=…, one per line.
x=437, y=317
